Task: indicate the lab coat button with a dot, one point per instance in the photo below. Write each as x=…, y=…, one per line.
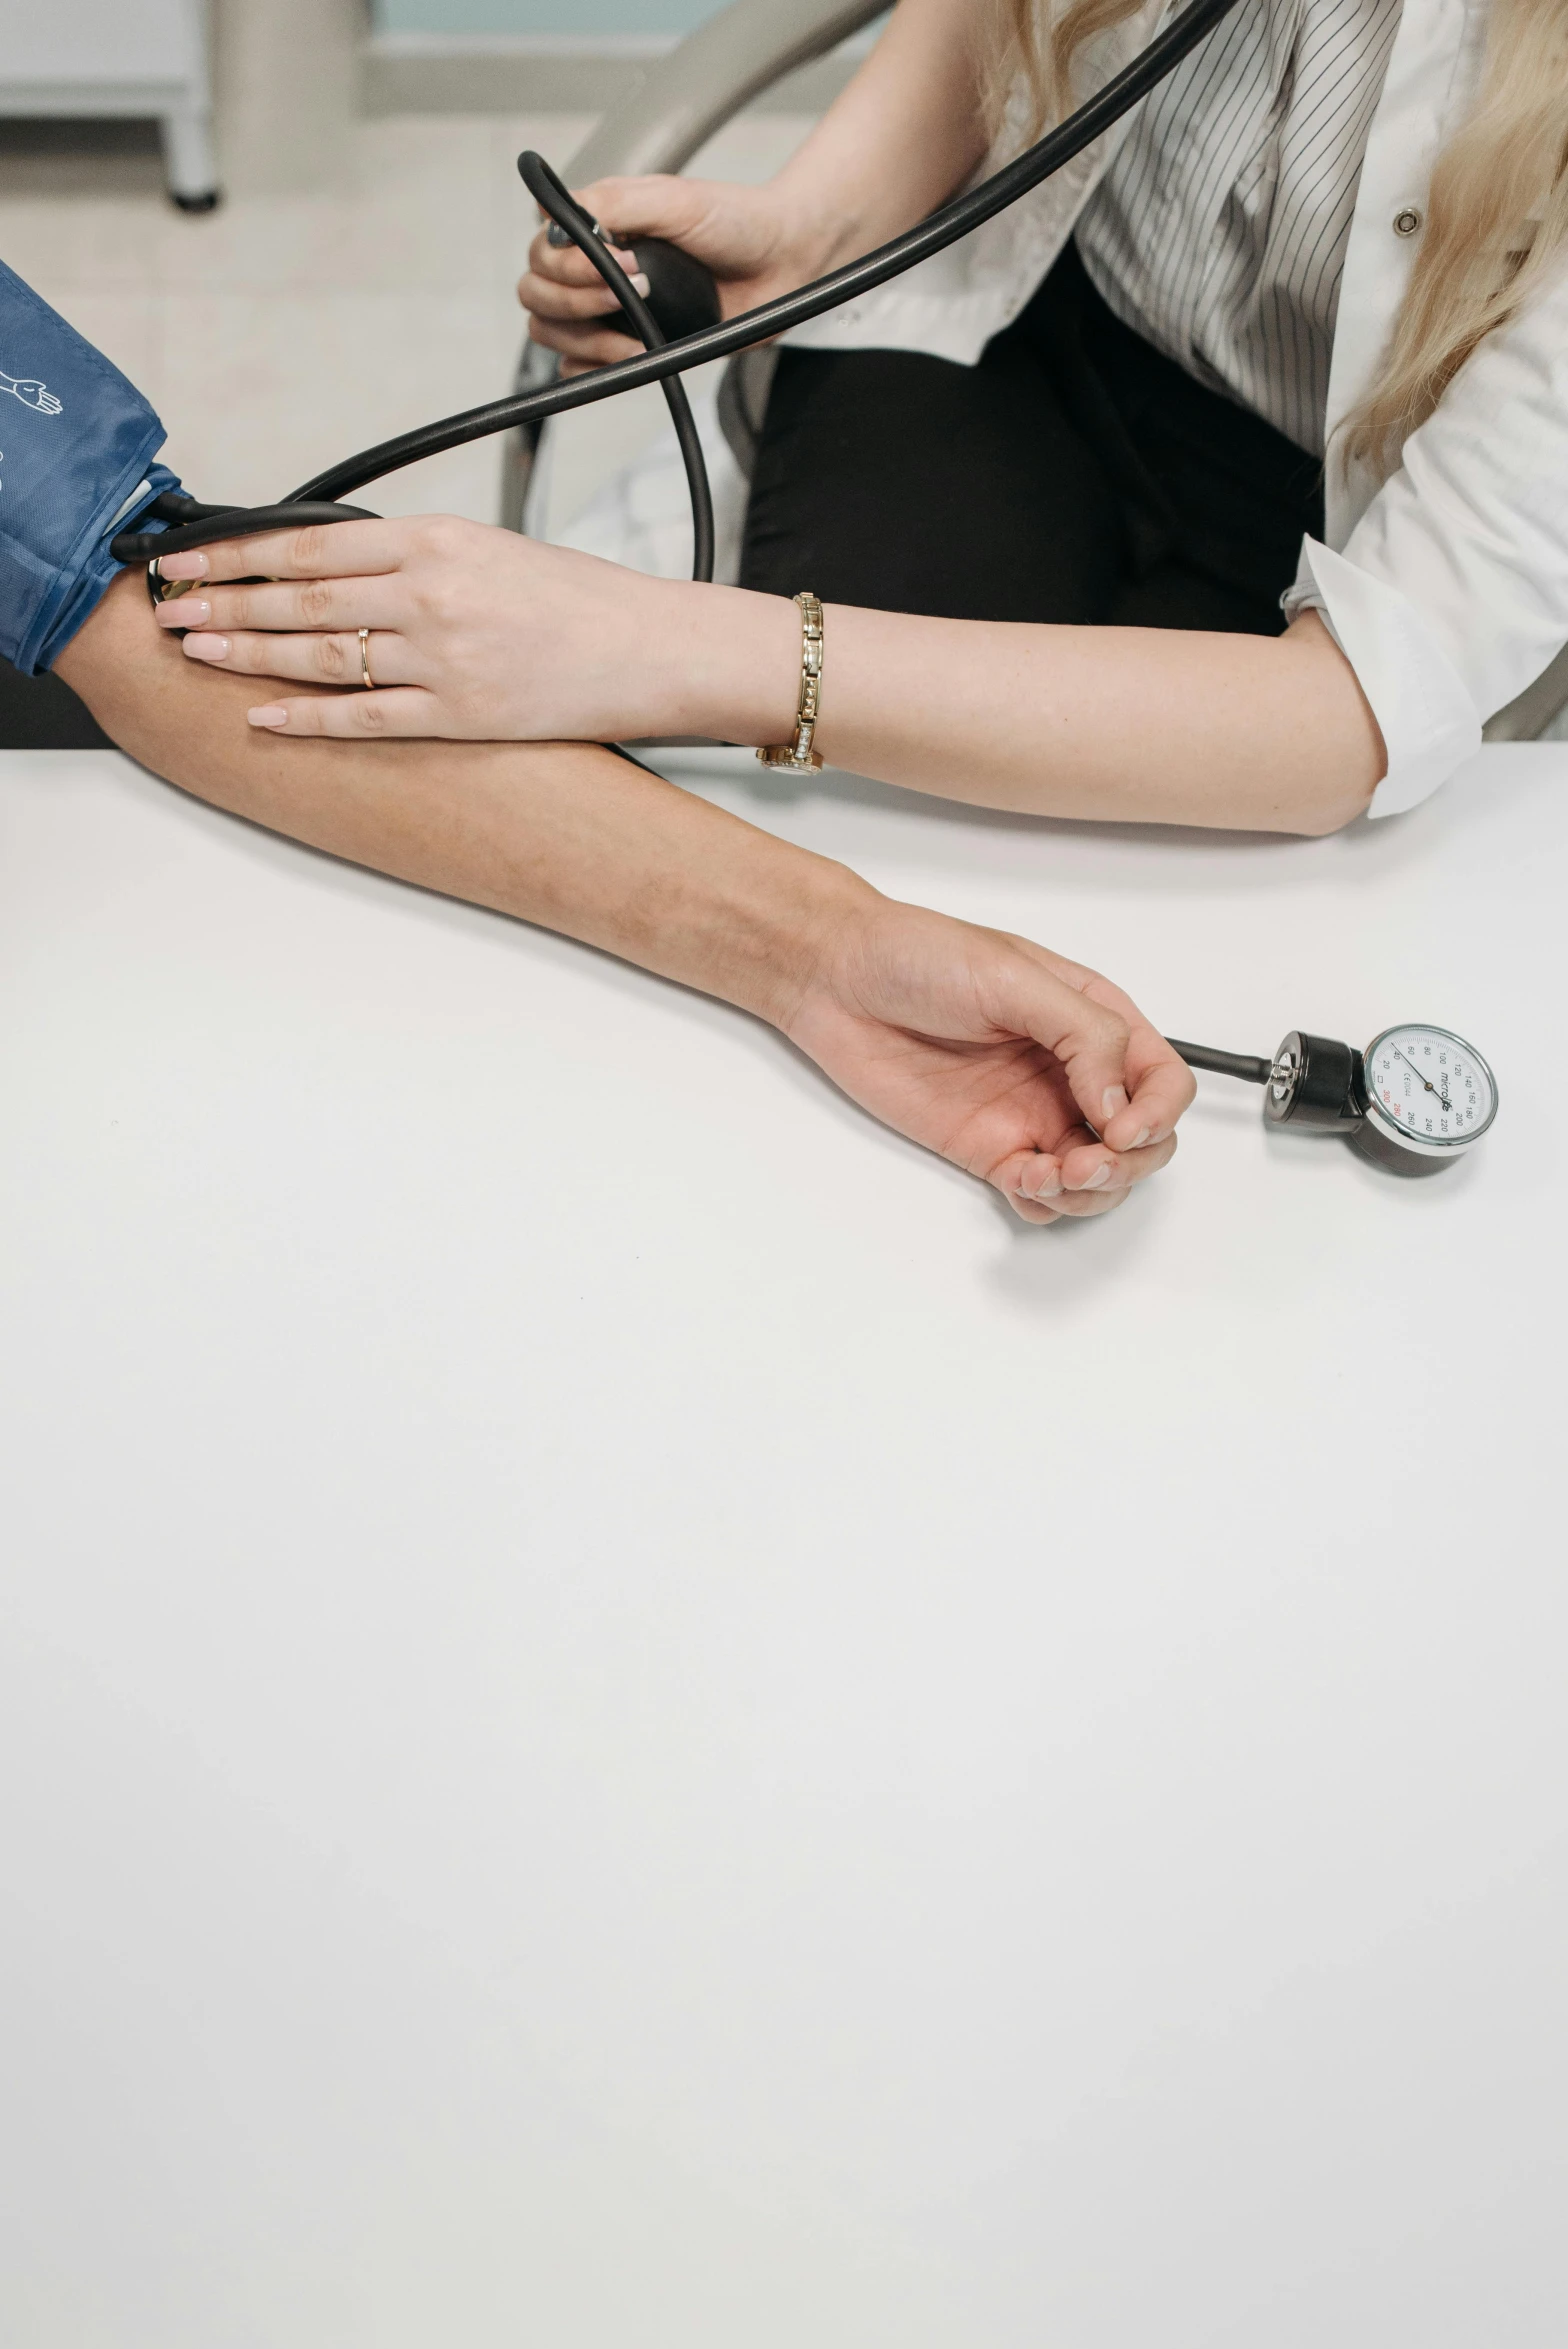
x=1407, y=222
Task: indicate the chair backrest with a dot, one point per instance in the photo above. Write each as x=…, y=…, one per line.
x=685, y=97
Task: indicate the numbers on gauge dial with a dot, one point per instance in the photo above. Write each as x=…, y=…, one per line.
x=1430, y=1085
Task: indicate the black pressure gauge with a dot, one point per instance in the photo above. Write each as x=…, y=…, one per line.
x=1414, y=1101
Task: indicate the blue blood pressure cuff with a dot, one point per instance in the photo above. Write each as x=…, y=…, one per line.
x=77, y=444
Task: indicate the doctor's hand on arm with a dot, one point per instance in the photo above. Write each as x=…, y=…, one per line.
x=1027, y=1071
x=477, y=634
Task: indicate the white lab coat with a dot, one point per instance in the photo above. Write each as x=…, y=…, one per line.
x=1446, y=586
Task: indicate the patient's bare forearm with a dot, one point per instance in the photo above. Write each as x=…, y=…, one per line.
x=975, y=1044
x=565, y=835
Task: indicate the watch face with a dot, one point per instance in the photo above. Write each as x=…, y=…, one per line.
x=1429, y=1089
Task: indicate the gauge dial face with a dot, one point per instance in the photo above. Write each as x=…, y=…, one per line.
x=1429, y=1088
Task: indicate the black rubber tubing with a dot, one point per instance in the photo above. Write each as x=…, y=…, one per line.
x=944, y=227
x=1245, y=1065
x=557, y=202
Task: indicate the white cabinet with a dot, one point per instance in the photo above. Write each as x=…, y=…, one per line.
x=147, y=58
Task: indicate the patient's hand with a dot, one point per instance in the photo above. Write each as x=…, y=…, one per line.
x=1009, y=1060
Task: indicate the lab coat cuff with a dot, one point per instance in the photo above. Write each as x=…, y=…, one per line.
x=1428, y=717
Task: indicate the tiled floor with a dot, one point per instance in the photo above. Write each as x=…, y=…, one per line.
x=359, y=278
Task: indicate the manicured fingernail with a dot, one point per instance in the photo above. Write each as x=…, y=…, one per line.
x=1048, y=1188
x=1112, y=1101
x=1098, y=1180
x=186, y=611
x=206, y=648
x=271, y=713
x=640, y=281
x=191, y=566
x=1142, y=1136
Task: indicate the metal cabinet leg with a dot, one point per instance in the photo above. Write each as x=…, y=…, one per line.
x=190, y=165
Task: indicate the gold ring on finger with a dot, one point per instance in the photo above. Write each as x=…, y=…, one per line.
x=364, y=660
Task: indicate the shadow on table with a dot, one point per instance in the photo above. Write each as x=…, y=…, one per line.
x=42, y=713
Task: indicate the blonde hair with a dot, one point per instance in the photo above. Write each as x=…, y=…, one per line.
x=1497, y=211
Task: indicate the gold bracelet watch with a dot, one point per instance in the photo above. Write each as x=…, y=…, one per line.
x=798, y=755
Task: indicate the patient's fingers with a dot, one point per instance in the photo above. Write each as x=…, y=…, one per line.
x=318, y=550
x=1158, y=1079
x=1161, y=1087
x=1031, y=1183
x=404, y=712
x=315, y=660
x=1083, y=1176
x=1159, y=1082
x=1090, y=1167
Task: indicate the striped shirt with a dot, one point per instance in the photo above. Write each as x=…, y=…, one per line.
x=1219, y=231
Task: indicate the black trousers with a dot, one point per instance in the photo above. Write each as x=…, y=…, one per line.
x=1075, y=474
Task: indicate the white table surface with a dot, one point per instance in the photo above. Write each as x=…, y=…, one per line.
x=628, y=1717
